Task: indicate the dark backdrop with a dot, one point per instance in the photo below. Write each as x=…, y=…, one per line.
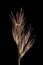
x=8, y=48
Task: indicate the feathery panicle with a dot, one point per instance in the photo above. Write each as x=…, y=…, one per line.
x=19, y=36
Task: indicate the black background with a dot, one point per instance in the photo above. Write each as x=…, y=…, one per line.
x=8, y=48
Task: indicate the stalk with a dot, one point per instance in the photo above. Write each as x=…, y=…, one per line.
x=18, y=61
